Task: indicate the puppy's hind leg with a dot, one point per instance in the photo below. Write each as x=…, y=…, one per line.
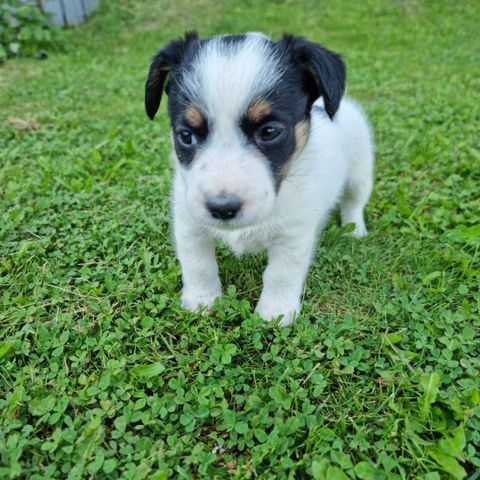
x=359, y=185
x=353, y=203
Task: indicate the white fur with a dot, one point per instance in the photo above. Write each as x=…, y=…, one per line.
x=336, y=165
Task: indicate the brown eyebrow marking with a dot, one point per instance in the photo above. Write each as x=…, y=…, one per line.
x=258, y=110
x=194, y=116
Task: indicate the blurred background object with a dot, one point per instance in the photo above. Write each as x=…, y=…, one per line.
x=67, y=12
x=31, y=27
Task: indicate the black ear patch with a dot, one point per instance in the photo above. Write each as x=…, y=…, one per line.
x=324, y=71
x=165, y=60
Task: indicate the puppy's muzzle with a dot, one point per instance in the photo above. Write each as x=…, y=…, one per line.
x=224, y=207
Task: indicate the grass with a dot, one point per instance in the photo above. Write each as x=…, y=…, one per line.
x=102, y=375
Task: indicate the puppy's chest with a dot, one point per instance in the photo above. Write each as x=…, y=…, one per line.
x=247, y=240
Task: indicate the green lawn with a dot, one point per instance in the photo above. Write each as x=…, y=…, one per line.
x=103, y=375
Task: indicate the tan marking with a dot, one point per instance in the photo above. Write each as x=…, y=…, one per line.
x=302, y=130
x=258, y=110
x=194, y=116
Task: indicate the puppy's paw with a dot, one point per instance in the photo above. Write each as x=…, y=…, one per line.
x=272, y=309
x=196, y=301
x=360, y=230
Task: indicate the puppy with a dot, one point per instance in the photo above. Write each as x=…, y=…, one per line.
x=265, y=147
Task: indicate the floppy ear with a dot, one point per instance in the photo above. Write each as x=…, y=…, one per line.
x=162, y=64
x=324, y=71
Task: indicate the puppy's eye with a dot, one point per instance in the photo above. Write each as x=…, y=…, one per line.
x=269, y=132
x=186, y=138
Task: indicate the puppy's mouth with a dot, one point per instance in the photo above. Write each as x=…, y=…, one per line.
x=228, y=224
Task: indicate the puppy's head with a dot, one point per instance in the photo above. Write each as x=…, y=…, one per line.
x=240, y=107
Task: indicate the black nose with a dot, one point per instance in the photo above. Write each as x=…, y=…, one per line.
x=224, y=207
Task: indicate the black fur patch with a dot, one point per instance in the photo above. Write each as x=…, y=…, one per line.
x=309, y=71
x=288, y=107
x=323, y=71
x=170, y=60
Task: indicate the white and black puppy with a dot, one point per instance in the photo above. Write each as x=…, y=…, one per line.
x=265, y=148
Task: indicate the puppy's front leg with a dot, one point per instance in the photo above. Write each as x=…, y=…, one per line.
x=196, y=253
x=283, y=279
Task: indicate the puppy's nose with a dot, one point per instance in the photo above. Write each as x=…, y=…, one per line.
x=224, y=207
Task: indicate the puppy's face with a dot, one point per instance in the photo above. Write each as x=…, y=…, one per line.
x=240, y=110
